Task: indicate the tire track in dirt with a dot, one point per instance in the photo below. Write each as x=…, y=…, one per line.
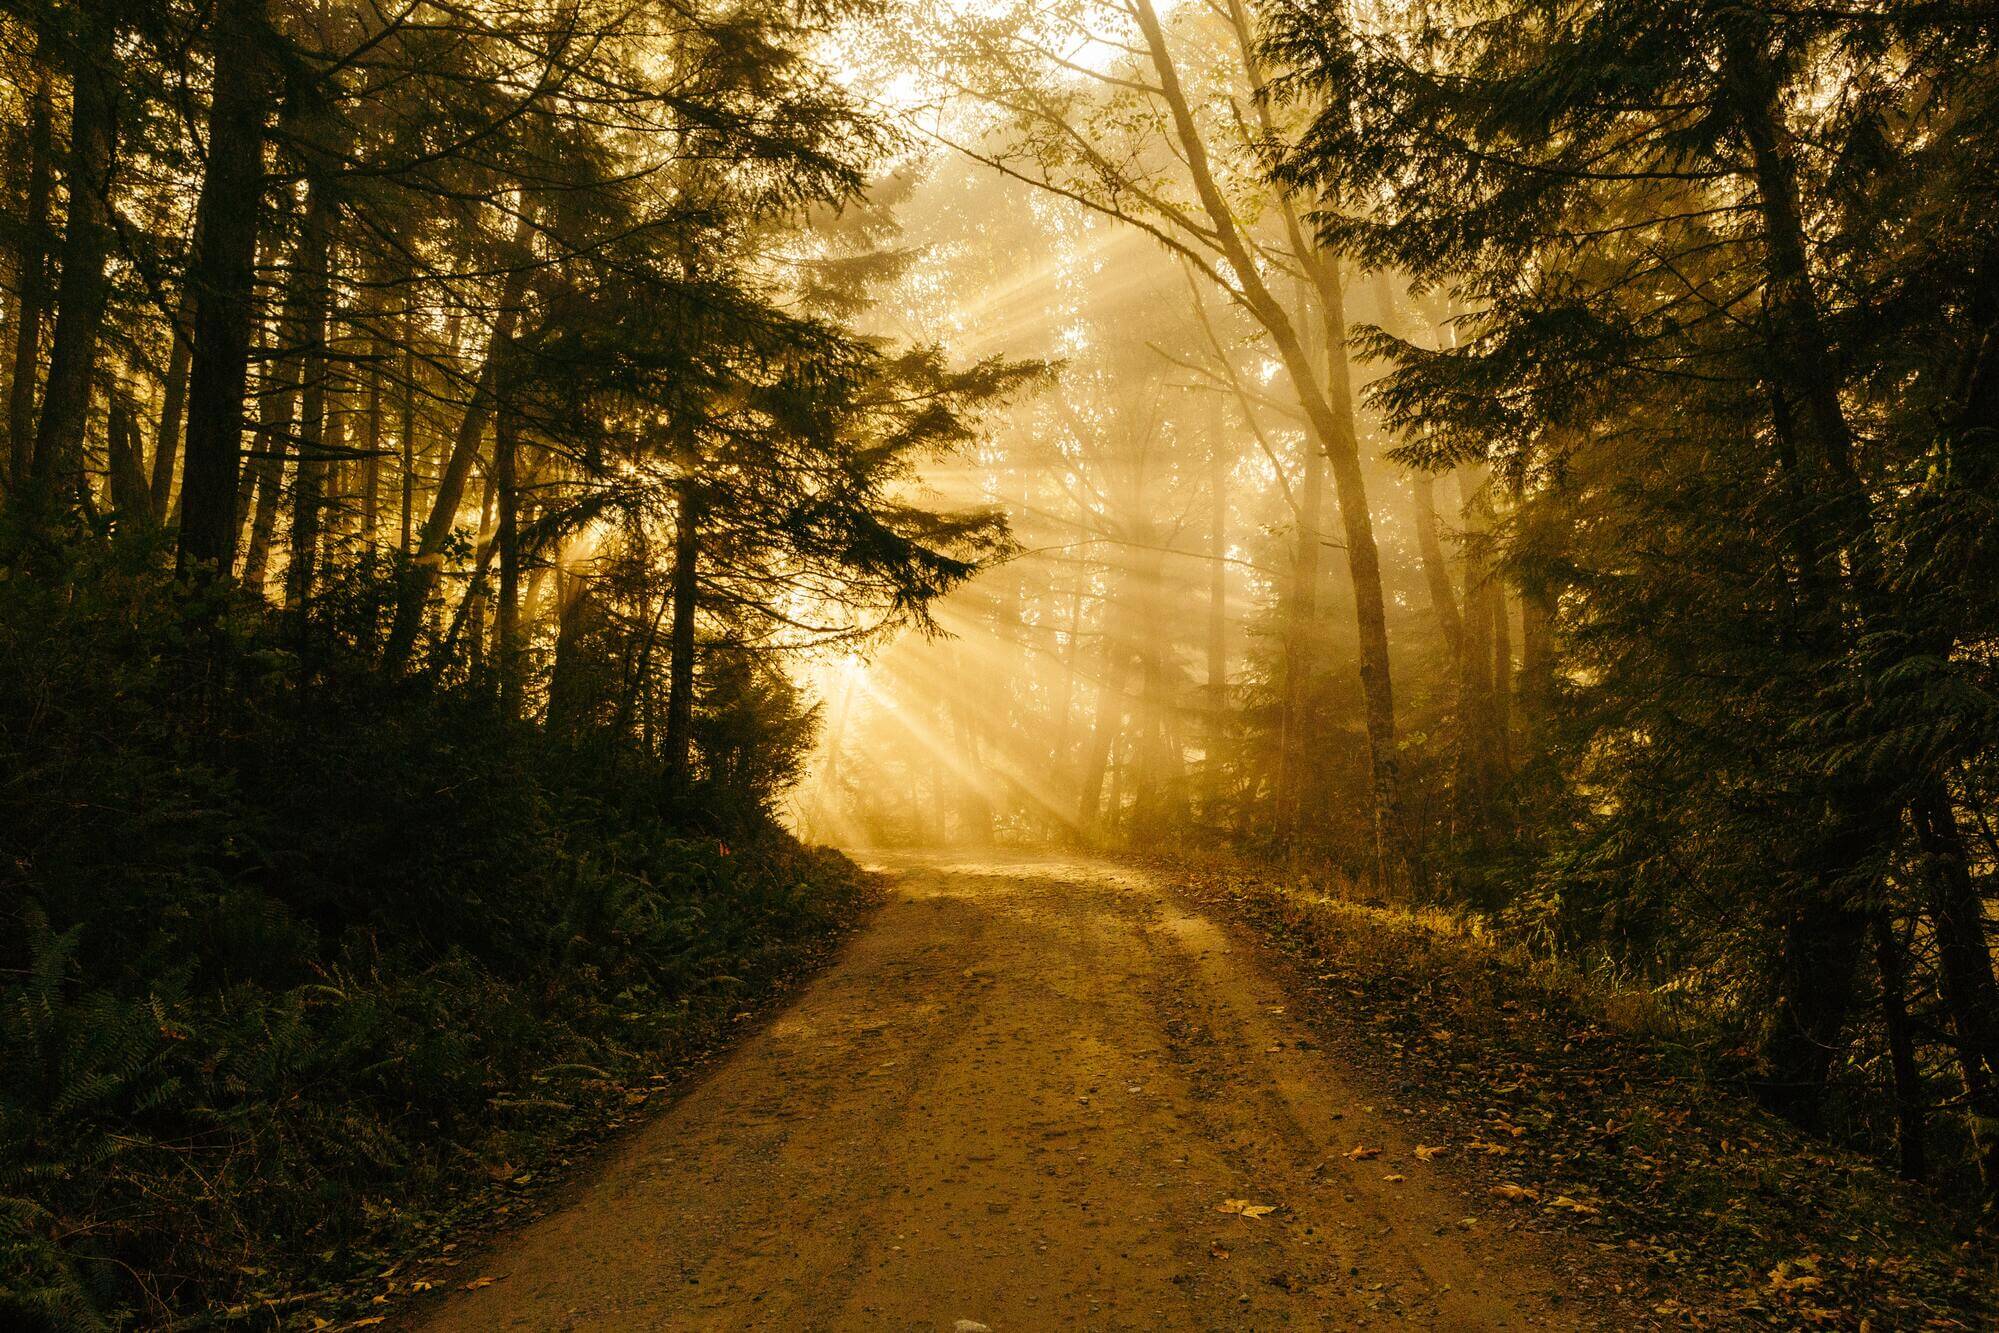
x=1018, y=1099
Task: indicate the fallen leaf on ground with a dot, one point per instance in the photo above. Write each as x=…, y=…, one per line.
x=1576, y=1206
x=1244, y=1208
x=479, y=1282
x=1360, y=1154
x=1516, y=1192
x=1425, y=1153
x=1395, y=1178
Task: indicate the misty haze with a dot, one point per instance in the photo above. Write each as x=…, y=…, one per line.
x=992, y=665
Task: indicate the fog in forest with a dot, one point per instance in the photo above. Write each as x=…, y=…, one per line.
x=1410, y=588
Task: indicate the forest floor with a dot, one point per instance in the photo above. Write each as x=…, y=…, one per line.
x=1040, y=1092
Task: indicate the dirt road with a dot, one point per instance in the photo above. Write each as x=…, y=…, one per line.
x=1020, y=1099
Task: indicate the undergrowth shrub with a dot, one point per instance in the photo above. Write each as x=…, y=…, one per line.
x=290, y=951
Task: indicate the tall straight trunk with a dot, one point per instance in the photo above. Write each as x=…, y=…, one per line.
x=1109, y=721
x=173, y=415
x=32, y=275
x=680, y=641
x=1327, y=403
x=85, y=289
x=262, y=486
x=1477, y=763
x=222, y=279
x=1301, y=614
x=315, y=241
x=457, y=470
x=371, y=444
x=1436, y=570
x=1891, y=962
x=406, y=436
x=975, y=808
x=1815, y=952
x=506, y=652
x=1066, y=712
x=1151, y=780
x=1537, y=664
x=1964, y=968
x=1502, y=673
x=1219, y=463
x=131, y=499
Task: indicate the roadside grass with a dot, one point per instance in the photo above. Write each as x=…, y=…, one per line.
x=1573, y=1105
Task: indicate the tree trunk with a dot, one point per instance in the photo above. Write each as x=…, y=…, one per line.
x=1329, y=412
x=131, y=498
x=1502, y=674
x=1436, y=570
x=1891, y=960
x=1220, y=461
x=262, y=484
x=1301, y=615
x=680, y=665
x=506, y=652
x=1537, y=665
x=85, y=289
x=222, y=279
x=1109, y=720
x=173, y=411
x=1964, y=967
x=371, y=444
x=315, y=242
x=457, y=469
x=32, y=275
x=1818, y=955
x=1477, y=762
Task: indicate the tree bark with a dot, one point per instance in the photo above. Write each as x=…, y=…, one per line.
x=131, y=499
x=506, y=461
x=222, y=280
x=680, y=663
x=85, y=289
x=437, y=528
x=1329, y=412
x=1436, y=570
x=1891, y=961
x=1964, y=967
x=315, y=241
x=32, y=269
x=1220, y=460
x=173, y=415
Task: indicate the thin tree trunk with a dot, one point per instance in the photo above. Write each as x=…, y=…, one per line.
x=1502, y=674
x=32, y=265
x=1892, y=963
x=506, y=451
x=85, y=289
x=1964, y=967
x=406, y=429
x=262, y=484
x=130, y=498
x=680, y=666
x=1477, y=759
x=173, y=410
x=1219, y=463
x=1301, y=614
x=458, y=466
x=222, y=279
x=1436, y=570
x=1537, y=665
x=371, y=443
x=1107, y=723
x=315, y=242
x=1329, y=412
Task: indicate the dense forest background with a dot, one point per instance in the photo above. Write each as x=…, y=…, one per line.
x=1531, y=461
x=471, y=473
